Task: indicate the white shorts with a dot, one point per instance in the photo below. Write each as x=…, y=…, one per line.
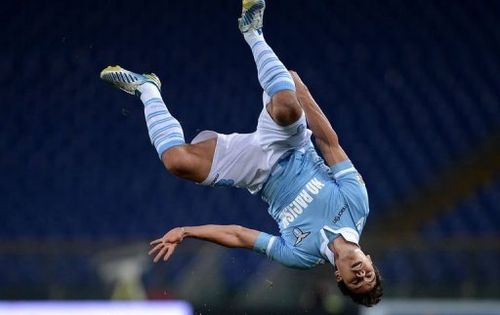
x=246, y=159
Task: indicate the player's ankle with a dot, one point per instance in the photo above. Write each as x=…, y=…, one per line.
x=148, y=91
x=252, y=37
x=252, y=33
x=146, y=87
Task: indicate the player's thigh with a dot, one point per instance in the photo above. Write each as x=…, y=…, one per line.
x=275, y=136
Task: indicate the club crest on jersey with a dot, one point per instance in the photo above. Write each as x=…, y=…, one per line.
x=299, y=235
x=301, y=202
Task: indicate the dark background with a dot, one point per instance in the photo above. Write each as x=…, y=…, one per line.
x=411, y=88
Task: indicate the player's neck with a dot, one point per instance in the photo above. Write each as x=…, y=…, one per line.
x=340, y=246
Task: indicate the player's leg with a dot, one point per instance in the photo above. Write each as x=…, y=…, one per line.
x=273, y=76
x=188, y=161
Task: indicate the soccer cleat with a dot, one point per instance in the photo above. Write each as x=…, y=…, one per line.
x=252, y=15
x=128, y=81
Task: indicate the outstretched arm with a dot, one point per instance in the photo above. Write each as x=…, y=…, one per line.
x=325, y=137
x=225, y=235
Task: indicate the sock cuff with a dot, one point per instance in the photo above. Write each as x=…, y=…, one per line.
x=280, y=86
x=165, y=146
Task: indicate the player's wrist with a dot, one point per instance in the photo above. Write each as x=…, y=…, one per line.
x=183, y=232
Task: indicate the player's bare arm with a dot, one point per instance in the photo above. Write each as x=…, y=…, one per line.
x=234, y=236
x=325, y=137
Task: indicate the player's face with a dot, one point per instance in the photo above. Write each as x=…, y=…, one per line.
x=357, y=272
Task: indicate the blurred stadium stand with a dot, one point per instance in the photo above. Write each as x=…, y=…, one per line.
x=411, y=88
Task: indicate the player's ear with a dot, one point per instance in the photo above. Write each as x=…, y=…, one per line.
x=338, y=277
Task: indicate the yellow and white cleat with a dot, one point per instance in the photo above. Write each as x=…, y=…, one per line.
x=252, y=15
x=128, y=81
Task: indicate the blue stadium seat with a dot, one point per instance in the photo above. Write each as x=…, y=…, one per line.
x=409, y=87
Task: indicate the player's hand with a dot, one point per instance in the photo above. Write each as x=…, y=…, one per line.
x=165, y=246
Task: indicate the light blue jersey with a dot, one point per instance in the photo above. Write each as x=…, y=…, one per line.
x=312, y=204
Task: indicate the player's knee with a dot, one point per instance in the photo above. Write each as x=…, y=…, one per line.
x=176, y=161
x=286, y=108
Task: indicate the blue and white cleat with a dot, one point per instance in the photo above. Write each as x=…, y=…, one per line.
x=252, y=15
x=128, y=81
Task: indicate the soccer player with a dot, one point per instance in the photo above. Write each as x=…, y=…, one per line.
x=320, y=208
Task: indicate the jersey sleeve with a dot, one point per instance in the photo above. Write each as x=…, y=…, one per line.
x=276, y=249
x=339, y=170
x=354, y=191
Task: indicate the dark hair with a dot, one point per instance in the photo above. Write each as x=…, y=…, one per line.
x=367, y=299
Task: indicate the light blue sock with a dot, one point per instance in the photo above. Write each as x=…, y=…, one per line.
x=164, y=130
x=273, y=75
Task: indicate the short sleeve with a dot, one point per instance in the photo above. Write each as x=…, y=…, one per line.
x=276, y=249
x=340, y=169
x=263, y=243
x=353, y=190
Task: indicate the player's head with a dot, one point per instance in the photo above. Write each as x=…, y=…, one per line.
x=358, y=278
